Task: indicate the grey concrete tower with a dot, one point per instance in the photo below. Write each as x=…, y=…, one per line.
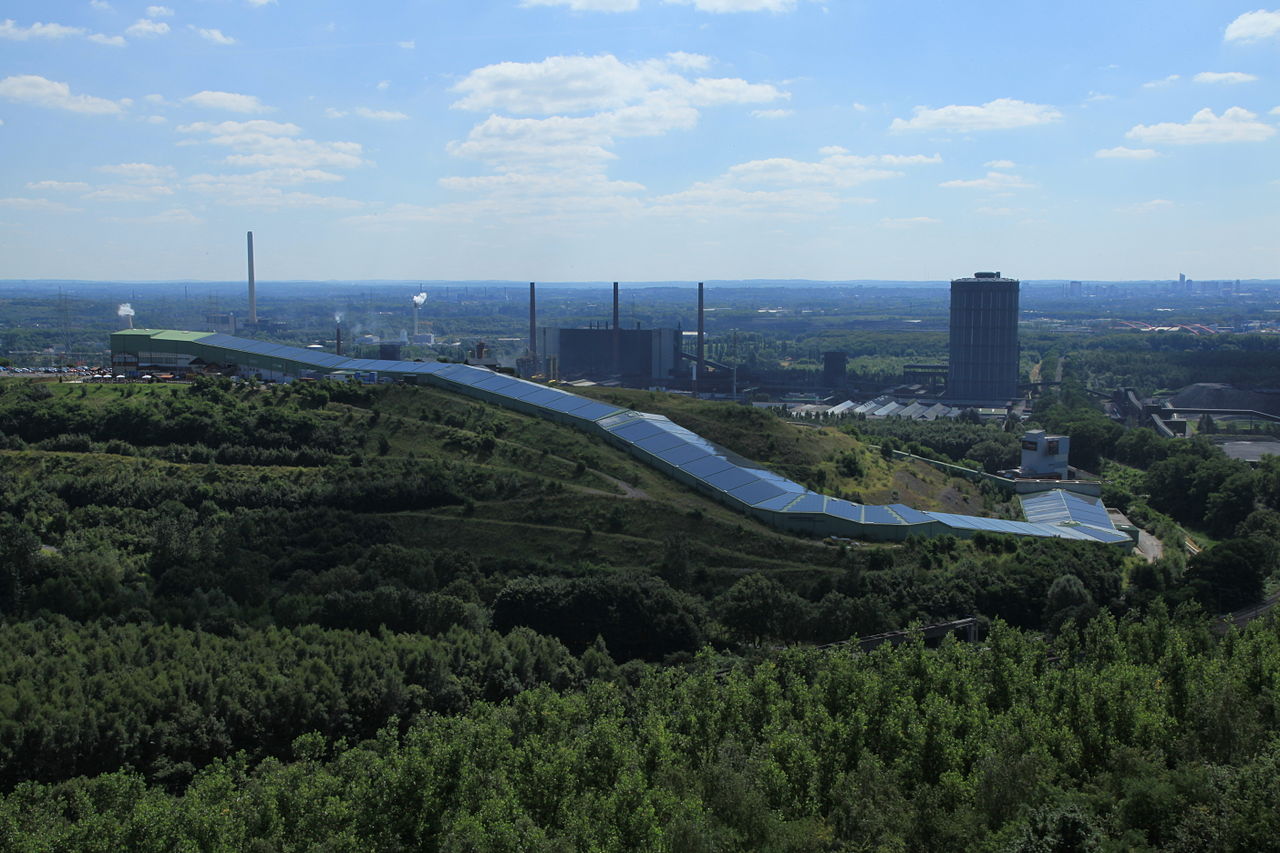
x=253, y=293
x=616, y=334
x=983, y=366
x=533, y=325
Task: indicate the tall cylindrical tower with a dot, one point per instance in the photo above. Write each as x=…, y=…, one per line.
x=983, y=366
x=533, y=325
x=253, y=293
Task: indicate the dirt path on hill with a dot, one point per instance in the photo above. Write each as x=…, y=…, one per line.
x=629, y=491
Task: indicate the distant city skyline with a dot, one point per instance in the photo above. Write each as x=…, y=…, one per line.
x=639, y=140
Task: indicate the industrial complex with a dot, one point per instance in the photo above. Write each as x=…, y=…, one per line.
x=677, y=452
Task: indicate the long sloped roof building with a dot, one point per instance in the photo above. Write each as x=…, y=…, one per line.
x=685, y=456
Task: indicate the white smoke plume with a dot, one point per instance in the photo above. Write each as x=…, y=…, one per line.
x=419, y=299
x=337, y=316
x=125, y=310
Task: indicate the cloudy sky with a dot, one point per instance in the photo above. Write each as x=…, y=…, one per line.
x=564, y=140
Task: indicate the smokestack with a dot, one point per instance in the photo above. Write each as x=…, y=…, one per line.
x=253, y=294
x=702, y=363
x=533, y=326
x=339, y=338
x=617, y=333
x=418, y=302
x=126, y=310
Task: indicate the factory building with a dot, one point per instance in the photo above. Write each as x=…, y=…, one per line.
x=644, y=357
x=835, y=369
x=640, y=358
x=983, y=363
x=722, y=475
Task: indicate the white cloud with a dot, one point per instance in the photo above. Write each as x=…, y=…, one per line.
x=269, y=145
x=100, y=5
x=993, y=181
x=145, y=28
x=11, y=31
x=859, y=107
x=689, y=61
x=407, y=45
x=365, y=112
x=1094, y=97
x=1122, y=153
x=380, y=115
x=263, y=188
x=772, y=114
x=541, y=185
x=229, y=101
x=59, y=186
x=37, y=204
x=269, y=177
x=260, y=2
x=999, y=164
x=159, y=12
x=273, y=198
x=720, y=6
x=155, y=120
x=828, y=150
x=1000, y=114
x=215, y=36
x=111, y=41
x=714, y=201
x=1146, y=206
x=128, y=192
x=1224, y=77
x=139, y=172
x=1234, y=125
x=1165, y=81
x=908, y=221
x=173, y=216
x=575, y=84
x=589, y=5
x=785, y=187
x=257, y=126
x=154, y=99
x=646, y=98
x=998, y=211
x=33, y=89
x=383, y=85
x=838, y=171
x=1254, y=26
x=271, y=152
x=559, y=84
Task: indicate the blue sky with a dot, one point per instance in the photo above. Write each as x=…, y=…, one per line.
x=562, y=140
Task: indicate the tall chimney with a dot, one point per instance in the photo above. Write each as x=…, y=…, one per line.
x=702, y=363
x=253, y=294
x=339, y=337
x=533, y=326
x=617, y=333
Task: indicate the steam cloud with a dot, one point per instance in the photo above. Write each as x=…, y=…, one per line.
x=419, y=299
x=125, y=310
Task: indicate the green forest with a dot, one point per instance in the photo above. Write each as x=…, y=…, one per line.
x=326, y=616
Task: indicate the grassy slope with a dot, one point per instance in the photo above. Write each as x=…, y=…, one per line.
x=624, y=530
x=805, y=453
x=628, y=526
